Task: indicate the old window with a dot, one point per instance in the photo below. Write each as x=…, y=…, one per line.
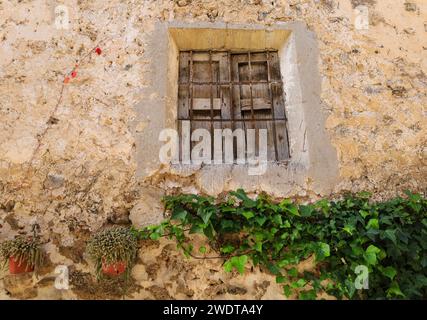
x=226, y=89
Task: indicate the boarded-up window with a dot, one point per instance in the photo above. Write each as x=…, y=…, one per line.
x=223, y=89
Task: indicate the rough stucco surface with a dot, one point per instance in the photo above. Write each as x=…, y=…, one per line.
x=79, y=175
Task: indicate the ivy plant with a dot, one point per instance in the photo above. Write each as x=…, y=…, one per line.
x=362, y=249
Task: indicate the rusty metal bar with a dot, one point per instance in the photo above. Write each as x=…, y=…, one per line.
x=211, y=101
x=191, y=93
x=270, y=91
x=230, y=77
x=231, y=93
x=190, y=86
x=250, y=85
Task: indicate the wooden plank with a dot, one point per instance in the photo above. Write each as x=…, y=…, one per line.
x=183, y=99
x=277, y=96
x=236, y=110
x=185, y=142
x=202, y=72
x=259, y=104
x=207, y=125
x=275, y=74
x=205, y=104
x=184, y=67
x=183, y=90
x=271, y=153
x=183, y=102
x=259, y=71
x=282, y=141
x=225, y=91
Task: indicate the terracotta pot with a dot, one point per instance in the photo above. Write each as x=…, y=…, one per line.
x=15, y=267
x=114, y=269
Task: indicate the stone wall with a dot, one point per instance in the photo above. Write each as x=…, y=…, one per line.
x=68, y=157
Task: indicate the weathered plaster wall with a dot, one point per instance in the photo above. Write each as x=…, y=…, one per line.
x=74, y=171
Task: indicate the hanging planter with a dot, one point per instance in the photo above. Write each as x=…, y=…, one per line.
x=113, y=251
x=23, y=254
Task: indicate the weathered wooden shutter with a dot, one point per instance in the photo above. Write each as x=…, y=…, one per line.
x=204, y=90
x=258, y=97
x=220, y=89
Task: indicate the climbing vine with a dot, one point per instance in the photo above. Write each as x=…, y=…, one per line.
x=387, y=240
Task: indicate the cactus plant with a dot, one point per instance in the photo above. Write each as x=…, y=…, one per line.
x=113, y=251
x=23, y=253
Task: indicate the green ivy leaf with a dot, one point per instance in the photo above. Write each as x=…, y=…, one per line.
x=306, y=211
x=373, y=224
x=241, y=195
x=356, y=249
x=351, y=288
x=277, y=219
x=364, y=213
x=371, y=254
x=227, y=224
x=371, y=258
x=373, y=249
x=272, y=267
x=202, y=249
x=283, y=263
x=391, y=234
x=195, y=228
x=298, y=284
x=349, y=229
x=394, y=291
x=205, y=214
x=248, y=214
x=323, y=251
x=258, y=246
x=292, y=209
x=281, y=279
x=179, y=214
x=154, y=236
x=285, y=202
x=389, y=272
x=260, y=220
x=307, y=295
x=287, y=291
x=293, y=272
x=238, y=263
x=228, y=266
x=227, y=249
